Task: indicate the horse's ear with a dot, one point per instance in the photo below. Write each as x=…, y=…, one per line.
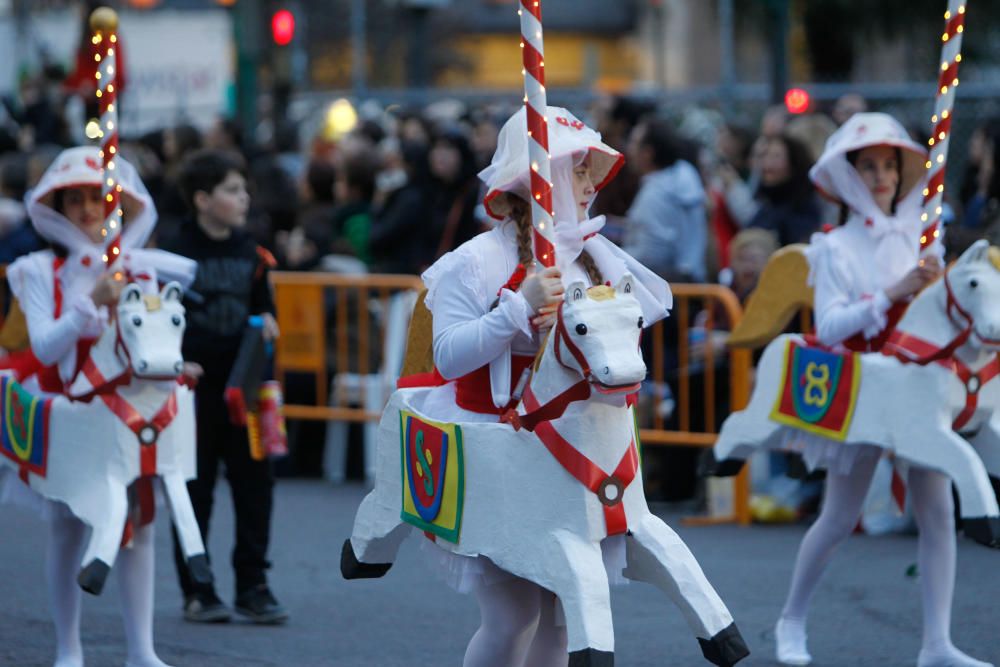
x=131, y=294
x=977, y=252
x=577, y=291
x=626, y=284
x=172, y=291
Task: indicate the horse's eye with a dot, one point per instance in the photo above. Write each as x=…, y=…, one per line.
x=176, y=319
x=581, y=329
x=136, y=321
x=973, y=283
x=640, y=321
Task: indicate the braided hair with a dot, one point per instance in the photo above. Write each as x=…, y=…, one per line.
x=520, y=214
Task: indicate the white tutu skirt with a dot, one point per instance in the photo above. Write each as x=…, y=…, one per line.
x=823, y=453
x=465, y=574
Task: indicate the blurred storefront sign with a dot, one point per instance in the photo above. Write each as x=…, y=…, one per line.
x=180, y=62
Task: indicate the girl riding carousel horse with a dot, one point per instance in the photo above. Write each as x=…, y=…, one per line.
x=67, y=294
x=490, y=308
x=864, y=273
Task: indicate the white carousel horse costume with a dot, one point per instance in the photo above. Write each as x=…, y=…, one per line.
x=540, y=495
x=115, y=414
x=842, y=410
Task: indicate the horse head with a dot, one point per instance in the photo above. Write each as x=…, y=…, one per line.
x=150, y=328
x=973, y=286
x=597, y=335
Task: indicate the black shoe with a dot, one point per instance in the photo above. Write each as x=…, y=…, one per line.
x=258, y=604
x=205, y=607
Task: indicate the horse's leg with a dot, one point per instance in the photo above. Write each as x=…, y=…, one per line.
x=372, y=547
x=102, y=549
x=741, y=434
x=946, y=451
x=579, y=580
x=188, y=534
x=655, y=554
x=987, y=444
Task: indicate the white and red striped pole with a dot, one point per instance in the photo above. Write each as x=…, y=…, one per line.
x=104, y=23
x=533, y=53
x=951, y=56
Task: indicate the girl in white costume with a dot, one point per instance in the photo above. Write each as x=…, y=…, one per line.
x=488, y=323
x=65, y=293
x=863, y=273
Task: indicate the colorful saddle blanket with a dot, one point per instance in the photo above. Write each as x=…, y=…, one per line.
x=818, y=391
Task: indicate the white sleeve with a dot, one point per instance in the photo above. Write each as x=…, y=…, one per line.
x=839, y=315
x=51, y=338
x=467, y=334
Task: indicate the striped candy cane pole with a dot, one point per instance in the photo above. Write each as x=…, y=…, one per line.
x=951, y=56
x=538, y=132
x=104, y=23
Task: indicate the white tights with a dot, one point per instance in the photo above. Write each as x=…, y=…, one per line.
x=67, y=536
x=518, y=627
x=933, y=508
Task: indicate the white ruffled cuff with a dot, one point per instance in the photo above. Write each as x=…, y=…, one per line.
x=516, y=309
x=878, y=309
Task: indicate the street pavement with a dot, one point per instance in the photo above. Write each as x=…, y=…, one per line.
x=866, y=612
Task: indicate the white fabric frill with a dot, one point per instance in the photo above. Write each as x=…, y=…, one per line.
x=819, y=453
x=466, y=574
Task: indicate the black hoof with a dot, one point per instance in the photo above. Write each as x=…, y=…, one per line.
x=726, y=648
x=352, y=568
x=709, y=466
x=200, y=570
x=985, y=530
x=590, y=657
x=92, y=577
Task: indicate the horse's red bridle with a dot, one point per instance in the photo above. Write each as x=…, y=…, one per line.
x=912, y=349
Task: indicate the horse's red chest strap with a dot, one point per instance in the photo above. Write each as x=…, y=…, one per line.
x=147, y=431
x=609, y=489
x=910, y=349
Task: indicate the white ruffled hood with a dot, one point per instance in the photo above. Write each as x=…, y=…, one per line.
x=81, y=166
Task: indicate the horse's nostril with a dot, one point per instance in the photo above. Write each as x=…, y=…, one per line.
x=143, y=365
x=607, y=371
x=179, y=367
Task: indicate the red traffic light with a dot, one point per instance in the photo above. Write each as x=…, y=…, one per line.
x=283, y=27
x=797, y=101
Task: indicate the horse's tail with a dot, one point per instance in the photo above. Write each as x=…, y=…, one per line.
x=419, y=340
x=782, y=291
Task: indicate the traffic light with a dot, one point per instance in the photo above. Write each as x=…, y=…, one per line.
x=283, y=27
x=797, y=101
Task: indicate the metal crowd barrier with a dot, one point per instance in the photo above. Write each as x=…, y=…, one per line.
x=344, y=334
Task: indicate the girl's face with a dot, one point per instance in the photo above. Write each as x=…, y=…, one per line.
x=774, y=166
x=84, y=207
x=878, y=167
x=583, y=189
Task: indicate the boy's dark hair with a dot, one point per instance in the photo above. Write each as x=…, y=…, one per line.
x=204, y=169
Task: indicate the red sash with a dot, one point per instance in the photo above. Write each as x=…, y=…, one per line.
x=858, y=342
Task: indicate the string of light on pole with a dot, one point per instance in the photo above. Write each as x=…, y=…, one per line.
x=951, y=57
x=536, y=105
x=104, y=23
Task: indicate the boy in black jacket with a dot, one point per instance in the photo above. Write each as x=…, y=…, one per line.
x=231, y=285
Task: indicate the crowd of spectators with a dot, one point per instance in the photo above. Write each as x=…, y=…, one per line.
x=704, y=200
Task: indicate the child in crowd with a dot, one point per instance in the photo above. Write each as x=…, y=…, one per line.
x=231, y=285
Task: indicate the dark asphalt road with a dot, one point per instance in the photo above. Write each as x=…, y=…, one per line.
x=867, y=611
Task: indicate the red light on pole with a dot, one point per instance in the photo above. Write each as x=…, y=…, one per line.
x=283, y=27
x=797, y=101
